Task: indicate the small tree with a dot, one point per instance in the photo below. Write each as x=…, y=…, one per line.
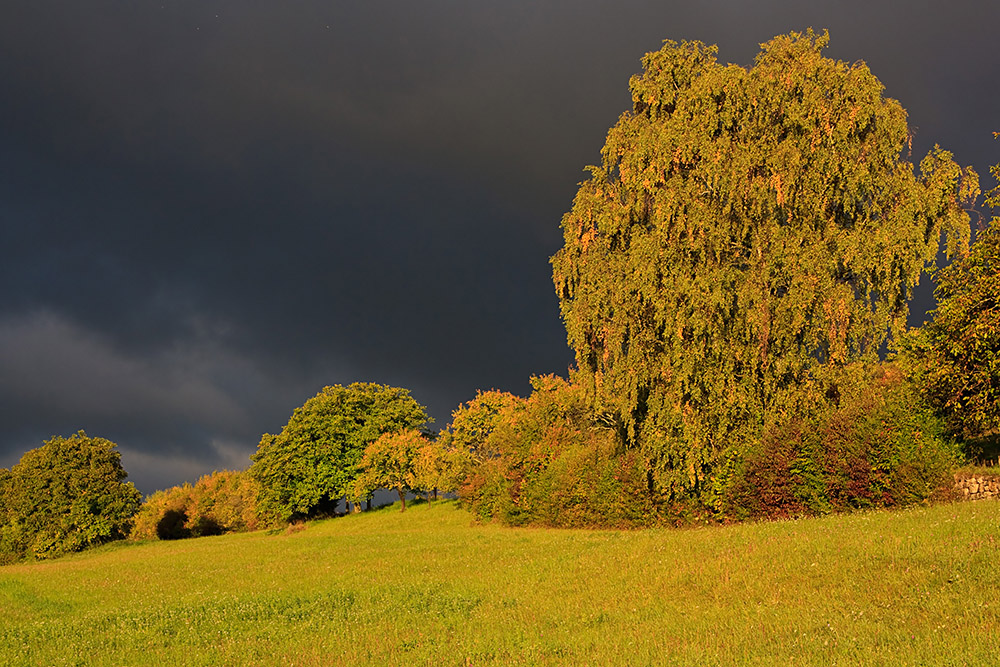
x=391, y=463
x=955, y=357
x=442, y=465
x=313, y=461
x=65, y=496
x=429, y=468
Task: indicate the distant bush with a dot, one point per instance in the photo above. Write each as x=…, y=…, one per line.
x=222, y=502
x=877, y=445
x=542, y=461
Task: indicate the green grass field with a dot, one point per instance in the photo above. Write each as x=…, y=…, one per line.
x=428, y=587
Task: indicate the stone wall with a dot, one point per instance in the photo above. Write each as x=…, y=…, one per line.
x=976, y=487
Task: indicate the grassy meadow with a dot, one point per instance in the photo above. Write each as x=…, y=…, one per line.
x=428, y=587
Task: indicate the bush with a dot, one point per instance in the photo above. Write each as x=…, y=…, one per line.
x=172, y=525
x=879, y=445
x=544, y=462
x=872, y=442
x=222, y=502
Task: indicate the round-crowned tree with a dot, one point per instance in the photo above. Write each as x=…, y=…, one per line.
x=64, y=496
x=391, y=462
x=314, y=460
x=748, y=232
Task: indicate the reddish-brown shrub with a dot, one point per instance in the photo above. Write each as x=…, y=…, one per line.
x=879, y=446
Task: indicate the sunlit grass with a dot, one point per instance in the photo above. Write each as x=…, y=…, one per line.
x=915, y=587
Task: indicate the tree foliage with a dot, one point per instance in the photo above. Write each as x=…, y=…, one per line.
x=879, y=445
x=955, y=357
x=391, y=462
x=747, y=232
x=222, y=502
x=542, y=462
x=313, y=461
x=473, y=422
x=65, y=496
x=441, y=465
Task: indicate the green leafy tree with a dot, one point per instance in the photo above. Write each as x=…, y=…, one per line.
x=391, y=463
x=748, y=232
x=65, y=496
x=955, y=358
x=11, y=546
x=313, y=461
x=4, y=484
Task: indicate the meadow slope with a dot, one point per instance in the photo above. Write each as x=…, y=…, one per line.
x=428, y=587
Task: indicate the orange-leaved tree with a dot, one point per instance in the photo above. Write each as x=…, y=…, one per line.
x=390, y=463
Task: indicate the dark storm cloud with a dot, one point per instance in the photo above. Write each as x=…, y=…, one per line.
x=211, y=209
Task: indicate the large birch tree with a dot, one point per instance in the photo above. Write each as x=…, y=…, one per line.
x=748, y=232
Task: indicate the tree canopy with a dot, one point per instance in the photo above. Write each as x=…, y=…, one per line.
x=955, y=357
x=225, y=501
x=67, y=495
x=313, y=461
x=391, y=462
x=748, y=233
x=473, y=422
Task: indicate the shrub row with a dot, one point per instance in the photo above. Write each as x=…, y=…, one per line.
x=874, y=443
x=878, y=445
x=219, y=503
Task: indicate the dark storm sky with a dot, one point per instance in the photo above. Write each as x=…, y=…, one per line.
x=210, y=210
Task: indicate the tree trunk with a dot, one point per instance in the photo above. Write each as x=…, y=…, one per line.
x=402, y=498
x=368, y=504
x=435, y=493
